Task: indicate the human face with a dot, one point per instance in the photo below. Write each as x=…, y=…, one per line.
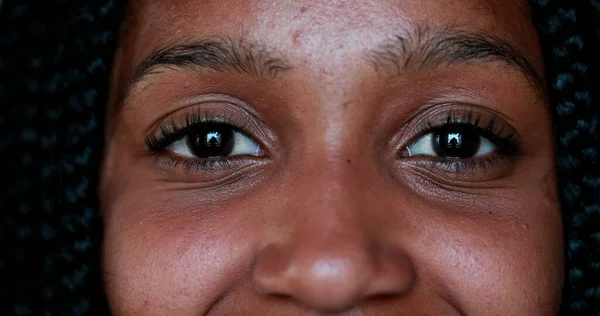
x=321, y=157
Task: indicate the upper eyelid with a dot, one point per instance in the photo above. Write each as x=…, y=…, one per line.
x=430, y=116
x=469, y=115
x=214, y=102
x=184, y=119
x=179, y=131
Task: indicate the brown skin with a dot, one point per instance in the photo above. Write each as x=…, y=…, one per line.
x=330, y=218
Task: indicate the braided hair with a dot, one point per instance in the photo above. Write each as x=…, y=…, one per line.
x=568, y=35
x=55, y=60
x=54, y=65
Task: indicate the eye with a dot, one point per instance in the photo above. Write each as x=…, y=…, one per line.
x=452, y=141
x=213, y=140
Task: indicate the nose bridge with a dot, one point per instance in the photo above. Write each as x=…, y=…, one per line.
x=330, y=219
x=331, y=203
x=333, y=257
x=334, y=183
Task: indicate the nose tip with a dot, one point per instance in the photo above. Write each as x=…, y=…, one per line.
x=332, y=282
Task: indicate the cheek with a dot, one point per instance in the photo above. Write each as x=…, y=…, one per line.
x=160, y=257
x=512, y=264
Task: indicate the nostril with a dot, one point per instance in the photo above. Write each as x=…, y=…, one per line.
x=271, y=272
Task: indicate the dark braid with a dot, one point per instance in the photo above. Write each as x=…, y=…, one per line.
x=55, y=59
x=54, y=65
x=570, y=44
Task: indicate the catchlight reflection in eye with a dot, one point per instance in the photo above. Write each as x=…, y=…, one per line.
x=214, y=141
x=447, y=143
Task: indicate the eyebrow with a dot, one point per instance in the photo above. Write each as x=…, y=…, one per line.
x=216, y=54
x=419, y=49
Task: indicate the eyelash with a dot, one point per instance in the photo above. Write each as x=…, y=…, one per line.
x=508, y=143
x=172, y=131
x=495, y=130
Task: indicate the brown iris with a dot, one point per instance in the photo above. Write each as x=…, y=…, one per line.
x=211, y=140
x=456, y=142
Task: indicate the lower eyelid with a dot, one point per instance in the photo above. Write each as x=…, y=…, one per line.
x=469, y=170
x=205, y=172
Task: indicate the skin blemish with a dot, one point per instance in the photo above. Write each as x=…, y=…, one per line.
x=296, y=37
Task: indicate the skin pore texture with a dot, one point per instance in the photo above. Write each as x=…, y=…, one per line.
x=335, y=210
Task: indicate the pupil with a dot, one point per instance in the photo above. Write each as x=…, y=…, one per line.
x=456, y=142
x=211, y=141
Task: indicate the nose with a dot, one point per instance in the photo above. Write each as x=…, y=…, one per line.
x=333, y=258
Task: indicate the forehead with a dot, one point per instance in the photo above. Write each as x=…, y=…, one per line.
x=212, y=15
x=337, y=27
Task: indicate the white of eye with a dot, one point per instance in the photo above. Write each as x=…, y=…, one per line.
x=242, y=145
x=424, y=147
